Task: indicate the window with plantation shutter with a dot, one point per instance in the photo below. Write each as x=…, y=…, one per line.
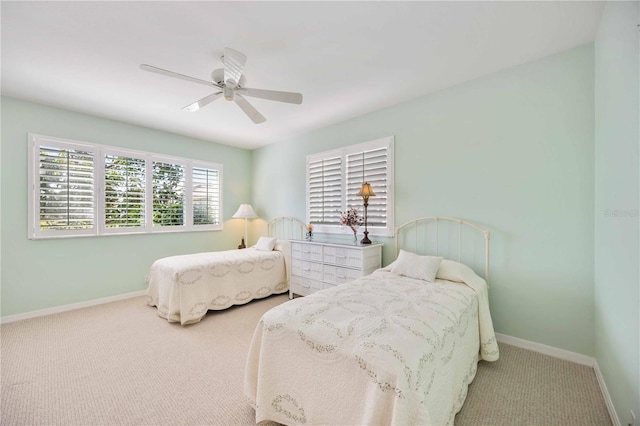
x=334, y=179
x=325, y=190
x=369, y=166
x=206, y=196
x=80, y=189
x=65, y=188
x=168, y=194
x=124, y=192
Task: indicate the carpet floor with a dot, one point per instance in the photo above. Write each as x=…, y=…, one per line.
x=121, y=364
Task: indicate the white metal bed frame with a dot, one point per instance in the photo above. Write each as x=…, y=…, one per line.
x=286, y=228
x=415, y=223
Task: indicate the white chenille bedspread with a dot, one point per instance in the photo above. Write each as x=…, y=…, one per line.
x=185, y=287
x=384, y=349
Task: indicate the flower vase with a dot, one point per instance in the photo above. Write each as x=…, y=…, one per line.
x=355, y=234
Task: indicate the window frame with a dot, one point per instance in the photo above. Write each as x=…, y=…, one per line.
x=207, y=166
x=102, y=193
x=343, y=153
x=187, y=198
x=100, y=152
x=34, y=185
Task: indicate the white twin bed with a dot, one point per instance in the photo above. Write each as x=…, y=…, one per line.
x=184, y=288
x=399, y=346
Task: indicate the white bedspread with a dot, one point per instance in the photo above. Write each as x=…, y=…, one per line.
x=384, y=349
x=185, y=287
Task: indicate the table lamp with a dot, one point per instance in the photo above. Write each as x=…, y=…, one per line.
x=366, y=192
x=245, y=211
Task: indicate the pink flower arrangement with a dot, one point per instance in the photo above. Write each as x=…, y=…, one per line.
x=351, y=218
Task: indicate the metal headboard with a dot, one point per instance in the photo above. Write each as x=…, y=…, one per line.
x=420, y=228
x=286, y=228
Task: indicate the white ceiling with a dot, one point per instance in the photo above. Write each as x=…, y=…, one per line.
x=347, y=58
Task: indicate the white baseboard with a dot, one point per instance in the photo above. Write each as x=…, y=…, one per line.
x=547, y=350
x=71, y=307
x=605, y=393
x=567, y=356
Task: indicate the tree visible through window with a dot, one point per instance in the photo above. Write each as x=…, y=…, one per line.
x=124, y=191
x=80, y=189
x=168, y=194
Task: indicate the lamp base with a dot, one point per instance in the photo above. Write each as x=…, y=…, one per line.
x=366, y=239
x=242, y=246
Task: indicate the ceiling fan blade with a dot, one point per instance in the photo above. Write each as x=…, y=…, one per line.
x=233, y=66
x=202, y=102
x=157, y=70
x=248, y=109
x=273, y=95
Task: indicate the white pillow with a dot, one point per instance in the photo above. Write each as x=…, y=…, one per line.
x=415, y=266
x=451, y=270
x=266, y=243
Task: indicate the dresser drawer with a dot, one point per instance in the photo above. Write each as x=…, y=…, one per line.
x=336, y=275
x=306, y=269
x=306, y=251
x=343, y=256
x=305, y=286
x=317, y=265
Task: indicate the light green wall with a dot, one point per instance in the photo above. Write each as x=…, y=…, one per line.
x=617, y=253
x=512, y=152
x=38, y=274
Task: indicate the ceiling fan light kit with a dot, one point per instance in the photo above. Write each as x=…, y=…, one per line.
x=228, y=93
x=230, y=83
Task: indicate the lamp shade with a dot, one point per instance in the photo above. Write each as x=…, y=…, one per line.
x=366, y=191
x=245, y=211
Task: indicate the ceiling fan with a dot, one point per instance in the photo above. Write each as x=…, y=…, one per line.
x=231, y=84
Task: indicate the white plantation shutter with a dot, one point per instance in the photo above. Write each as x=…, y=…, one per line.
x=335, y=177
x=375, y=171
x=325, y=190
x=168, y=194
x=206, y=196
x=65, y=183
x=124, y=191
x=83, y=189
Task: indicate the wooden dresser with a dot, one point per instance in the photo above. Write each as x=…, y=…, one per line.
x=319, y=265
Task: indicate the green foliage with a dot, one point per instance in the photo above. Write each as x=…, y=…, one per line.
x=124, y=192
x=68, y=195
x=168, y=194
